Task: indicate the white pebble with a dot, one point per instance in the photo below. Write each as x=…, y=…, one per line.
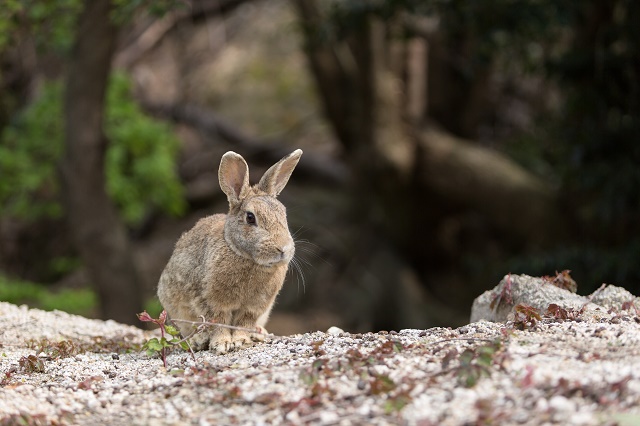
x=335, y=331
x=560, y=403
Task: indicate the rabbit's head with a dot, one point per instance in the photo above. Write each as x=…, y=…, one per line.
x=256, y=225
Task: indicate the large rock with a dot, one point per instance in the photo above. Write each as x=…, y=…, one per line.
x=496, y=304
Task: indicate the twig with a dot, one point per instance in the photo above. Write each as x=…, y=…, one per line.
x=159, y=28
x=591, y=296
x=215, y=324
x=186, y=340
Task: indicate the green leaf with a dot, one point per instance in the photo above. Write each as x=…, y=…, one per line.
x=466, y=357
x=308, y=378
x=140, y=161
x=171, y=330
x=382, y=383
x=396, y=403
x=153, y=345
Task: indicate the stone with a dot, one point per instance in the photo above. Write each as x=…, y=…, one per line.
x=532, y=291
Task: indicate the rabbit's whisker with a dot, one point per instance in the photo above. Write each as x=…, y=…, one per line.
x=298, y=267
x=303, y=247
x=295, y=234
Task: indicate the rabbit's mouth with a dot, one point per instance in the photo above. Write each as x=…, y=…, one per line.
x=281, y=257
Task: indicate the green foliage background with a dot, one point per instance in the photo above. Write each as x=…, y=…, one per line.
x=77, y=301
x=140, y=173
x=140, y=159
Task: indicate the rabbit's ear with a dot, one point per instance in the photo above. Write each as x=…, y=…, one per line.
x=233, y=175
x=275, y=179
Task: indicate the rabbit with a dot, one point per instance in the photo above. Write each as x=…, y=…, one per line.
x=230, y=268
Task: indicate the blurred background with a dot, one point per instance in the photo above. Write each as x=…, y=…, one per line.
x=447, y=143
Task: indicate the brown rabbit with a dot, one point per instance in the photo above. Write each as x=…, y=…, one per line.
x=230, y=268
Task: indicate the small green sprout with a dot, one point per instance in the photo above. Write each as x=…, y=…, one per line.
x=155, y=345
x=476, y=363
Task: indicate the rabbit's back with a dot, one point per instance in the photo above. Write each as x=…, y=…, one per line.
x=183, y=279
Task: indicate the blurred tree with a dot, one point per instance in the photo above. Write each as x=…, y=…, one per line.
x=138, y=162
x=592, y=141
x=99, y=234
x=403, y=81
x=403, y=164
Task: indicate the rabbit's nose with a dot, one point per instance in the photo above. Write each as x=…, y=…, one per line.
x=286, y=248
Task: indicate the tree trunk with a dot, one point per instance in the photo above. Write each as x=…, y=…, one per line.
x=99, y=235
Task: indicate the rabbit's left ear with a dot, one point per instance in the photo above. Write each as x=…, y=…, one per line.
x=275, y=179
x=233, y=175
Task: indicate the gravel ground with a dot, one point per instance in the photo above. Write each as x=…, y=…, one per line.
x=582, y=371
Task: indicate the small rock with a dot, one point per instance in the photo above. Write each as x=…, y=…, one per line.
x=327, y=417
x=335, y=331
x=561, y=404
x=542, y=405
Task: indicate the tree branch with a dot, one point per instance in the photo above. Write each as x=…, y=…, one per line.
x=313, y=166
x=158, y=29
x=489, y=182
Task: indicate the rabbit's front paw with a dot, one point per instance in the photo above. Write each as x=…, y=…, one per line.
x=221, y=345
x=199, y=342
x=220, y=341
x=259, y=335
x=241, y=339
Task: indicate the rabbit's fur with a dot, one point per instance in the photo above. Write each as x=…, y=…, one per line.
x=228, y=268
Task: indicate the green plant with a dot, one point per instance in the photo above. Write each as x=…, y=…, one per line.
x=77, y=301
x=31, y=364
x=139, y=164
x=25, y=419
x=29, y=150
x=396, y=402
x=50, y=23
x=154, y=346
x=474, y=363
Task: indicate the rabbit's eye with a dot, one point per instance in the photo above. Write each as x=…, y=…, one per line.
x=251, y=218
